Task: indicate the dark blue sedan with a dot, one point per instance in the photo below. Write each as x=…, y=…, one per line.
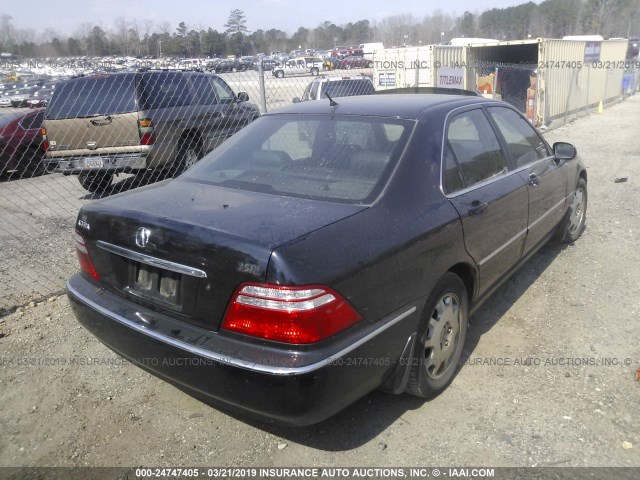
x=326, y=250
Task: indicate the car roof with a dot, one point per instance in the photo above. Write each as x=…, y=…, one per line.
x=409, y=106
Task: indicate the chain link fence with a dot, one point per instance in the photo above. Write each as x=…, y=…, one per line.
x=104, y=133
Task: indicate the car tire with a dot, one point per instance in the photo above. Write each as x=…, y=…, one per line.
x=347, y=66
x=315, y=71
x=440, y=339
x=279, y=74
x=31, y=162
x=189, y=152
x=370, y=65
x=575, y=221
x=95, y=182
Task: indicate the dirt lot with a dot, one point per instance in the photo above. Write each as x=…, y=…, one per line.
x=564, y=330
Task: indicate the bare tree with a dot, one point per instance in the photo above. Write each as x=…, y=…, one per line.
x=7, y=32
x=121, y=34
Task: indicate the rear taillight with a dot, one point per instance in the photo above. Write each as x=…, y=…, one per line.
x=45, y=142
x=288, y=314
x=86, y=264
x=145, y=129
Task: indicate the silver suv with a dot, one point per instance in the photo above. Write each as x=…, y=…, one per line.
x=336, y=86
x=130, y=122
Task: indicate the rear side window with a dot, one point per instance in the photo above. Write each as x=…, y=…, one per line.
x=347, y=88
x=93, y=96
x=164, y=90
x=475, y=147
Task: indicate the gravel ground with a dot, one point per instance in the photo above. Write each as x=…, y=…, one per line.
x=564, y=330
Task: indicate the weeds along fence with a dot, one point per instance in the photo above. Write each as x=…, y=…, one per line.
x=109, y=133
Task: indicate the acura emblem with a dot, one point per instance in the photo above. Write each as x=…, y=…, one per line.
x=142, y=236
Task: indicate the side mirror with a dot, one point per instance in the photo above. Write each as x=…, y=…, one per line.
x=564, y=151
x=296, y=99
x=243, y=97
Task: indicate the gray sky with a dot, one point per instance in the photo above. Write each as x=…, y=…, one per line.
x=64, y=16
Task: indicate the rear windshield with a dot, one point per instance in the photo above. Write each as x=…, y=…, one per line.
x=345, y=159
x=93, y=96
x=347, y=88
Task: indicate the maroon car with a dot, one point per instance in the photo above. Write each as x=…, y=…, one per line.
x=355, y=61
x=21, y=148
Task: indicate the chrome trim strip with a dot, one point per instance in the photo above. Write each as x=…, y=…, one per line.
x=153, y=261
x=502, y=247
x=229, y=360
x=526, y=230
x=548, y=212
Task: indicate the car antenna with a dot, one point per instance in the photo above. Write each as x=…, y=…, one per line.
x=332, y=102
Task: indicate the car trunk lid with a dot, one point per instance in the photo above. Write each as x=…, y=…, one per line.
x=215, y=238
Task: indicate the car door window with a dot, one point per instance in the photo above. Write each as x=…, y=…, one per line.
x=224, y=93
x=203, y=90
x=523, y=143
x=475, y=147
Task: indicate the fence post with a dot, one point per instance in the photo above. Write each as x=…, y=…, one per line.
x=586, y=103
x=263, y=92
x=566, y=105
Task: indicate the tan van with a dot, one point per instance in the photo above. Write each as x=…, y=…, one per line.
x=106, y=124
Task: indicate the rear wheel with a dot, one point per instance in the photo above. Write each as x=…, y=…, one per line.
x=31, y=162
x=347, y=66
x=95, y=182
x=314, y=71
x=441, y=336
x=189, y=152
x=279, y=74
x=370, y=65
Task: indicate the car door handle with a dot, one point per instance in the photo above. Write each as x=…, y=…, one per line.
x=477, y=207
x=534, y=179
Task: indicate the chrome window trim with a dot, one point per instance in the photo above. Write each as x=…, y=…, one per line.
x=153, y=261
x=225, y=359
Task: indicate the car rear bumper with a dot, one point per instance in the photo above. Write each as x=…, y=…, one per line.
x=127, y=162
x=293, y=387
